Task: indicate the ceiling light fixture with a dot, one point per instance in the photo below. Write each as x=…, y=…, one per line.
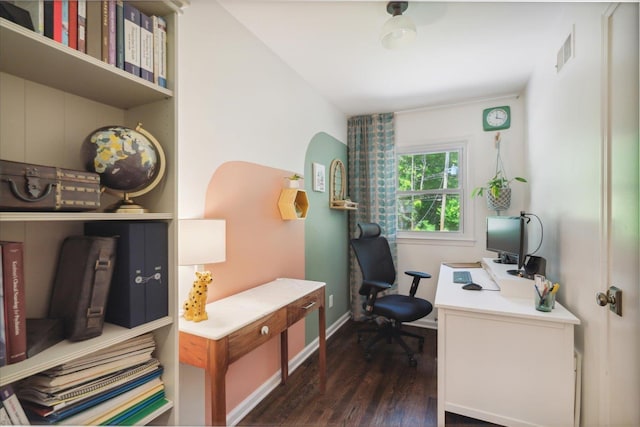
x=399, y=30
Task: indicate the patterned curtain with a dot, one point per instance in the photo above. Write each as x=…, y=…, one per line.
x=372, y=183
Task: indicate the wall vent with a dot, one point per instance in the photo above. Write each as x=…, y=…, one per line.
x=566, y=51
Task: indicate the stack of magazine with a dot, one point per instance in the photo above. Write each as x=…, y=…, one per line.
x=118, y=385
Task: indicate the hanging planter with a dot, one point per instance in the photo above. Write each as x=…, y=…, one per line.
x=498, y=188
x=500, y=202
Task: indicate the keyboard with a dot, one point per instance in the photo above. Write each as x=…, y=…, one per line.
x=462, y=277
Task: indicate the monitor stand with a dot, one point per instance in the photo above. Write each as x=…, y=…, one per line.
x=506, y=259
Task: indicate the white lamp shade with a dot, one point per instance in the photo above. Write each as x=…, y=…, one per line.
x=201, y=241
x=397, y=32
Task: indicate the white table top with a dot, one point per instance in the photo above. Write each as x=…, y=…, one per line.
x=450, y=295
x=237, y=311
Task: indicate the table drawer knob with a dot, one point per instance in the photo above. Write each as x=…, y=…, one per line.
x=308, y=306
x=264, y=330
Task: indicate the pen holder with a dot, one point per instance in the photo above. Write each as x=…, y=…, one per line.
x=545, y=303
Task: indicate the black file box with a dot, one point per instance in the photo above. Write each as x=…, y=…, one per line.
x=139, y=288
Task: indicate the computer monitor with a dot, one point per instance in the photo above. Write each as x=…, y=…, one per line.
x=507, y=235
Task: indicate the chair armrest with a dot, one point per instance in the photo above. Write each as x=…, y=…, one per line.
x=417, y=275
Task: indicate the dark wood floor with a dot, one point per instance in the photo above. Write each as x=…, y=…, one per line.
x=383, y=392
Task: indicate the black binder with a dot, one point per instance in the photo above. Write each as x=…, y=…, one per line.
x=139, y=289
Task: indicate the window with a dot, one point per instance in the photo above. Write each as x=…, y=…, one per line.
x=430, y=192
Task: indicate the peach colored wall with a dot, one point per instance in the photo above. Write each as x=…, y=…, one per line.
x=260, y=247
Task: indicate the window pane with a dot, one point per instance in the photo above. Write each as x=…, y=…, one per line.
x=430, y=171
x=429, y=212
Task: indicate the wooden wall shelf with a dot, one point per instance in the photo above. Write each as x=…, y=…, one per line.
x=293, y=203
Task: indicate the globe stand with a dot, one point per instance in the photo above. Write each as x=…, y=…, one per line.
x=126, y=205
x=112, y=139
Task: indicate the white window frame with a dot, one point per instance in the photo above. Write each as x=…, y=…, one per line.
x=465, y=234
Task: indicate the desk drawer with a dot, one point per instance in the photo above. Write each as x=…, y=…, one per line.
x=253, y=335
x=301, y=307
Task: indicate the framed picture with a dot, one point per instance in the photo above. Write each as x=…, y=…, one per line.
x=318, y=177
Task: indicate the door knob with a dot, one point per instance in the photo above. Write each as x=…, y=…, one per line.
x=613, y=297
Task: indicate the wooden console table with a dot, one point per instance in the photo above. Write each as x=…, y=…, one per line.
x=241, y=323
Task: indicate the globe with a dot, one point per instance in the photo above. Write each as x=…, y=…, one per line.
x=130, y=162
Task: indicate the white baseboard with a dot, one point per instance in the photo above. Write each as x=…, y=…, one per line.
x=239, y=412
x=424, y=323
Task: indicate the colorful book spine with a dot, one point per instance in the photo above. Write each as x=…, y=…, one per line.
x=14, y=301
x=82, y=26
x=120, y=34
x=65, y=22
x=109, y=31
x=131, y=39
x=146, y=47
x=12, y=405
x=73, y=24
x=159, y=50
x=53, y=19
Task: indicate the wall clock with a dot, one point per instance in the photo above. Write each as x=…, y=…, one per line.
x=496, y=118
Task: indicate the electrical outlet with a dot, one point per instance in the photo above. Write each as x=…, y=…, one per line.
x=330, y=301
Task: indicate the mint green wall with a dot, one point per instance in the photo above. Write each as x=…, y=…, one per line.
x=326, y=234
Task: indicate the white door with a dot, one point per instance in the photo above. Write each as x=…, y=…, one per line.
x=620, y=396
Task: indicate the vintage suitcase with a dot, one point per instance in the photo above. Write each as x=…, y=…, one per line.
x=81, y=285
x=28, y=187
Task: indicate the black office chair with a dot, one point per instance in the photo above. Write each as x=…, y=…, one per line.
x=378, y=274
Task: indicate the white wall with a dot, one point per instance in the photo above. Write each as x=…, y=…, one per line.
x=237, y=101
x=455, y=123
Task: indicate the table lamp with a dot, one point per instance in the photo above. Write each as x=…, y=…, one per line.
x=201, y=241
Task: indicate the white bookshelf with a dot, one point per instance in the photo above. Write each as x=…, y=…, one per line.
x=53, y=97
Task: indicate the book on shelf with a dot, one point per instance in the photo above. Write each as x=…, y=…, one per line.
x=53, y=19
x=146, y=47
x=120, y=34
x=109, y=31
x=108, y=408
x=94, y=29
x=159, y=50
x=73, y=24
x=71, y=389
x=65, y=23
x=82, y=26
x=14, y=301
x=131, y=39
x=12, y=405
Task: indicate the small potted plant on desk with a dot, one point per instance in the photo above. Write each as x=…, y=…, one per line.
x=498, y=188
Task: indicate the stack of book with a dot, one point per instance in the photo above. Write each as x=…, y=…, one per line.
x=115, y=31
x=118, y=385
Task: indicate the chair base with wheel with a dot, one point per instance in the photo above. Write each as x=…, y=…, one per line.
x=379, y=274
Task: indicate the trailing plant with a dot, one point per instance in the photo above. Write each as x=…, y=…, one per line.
x=499, y=181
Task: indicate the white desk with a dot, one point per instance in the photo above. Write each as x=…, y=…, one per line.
x=499, y=359
x=242, y=322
